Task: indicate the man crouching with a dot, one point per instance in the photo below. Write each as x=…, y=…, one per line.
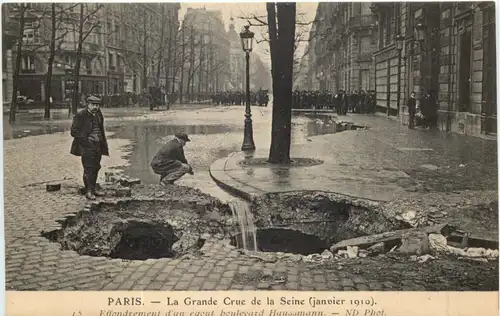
x=169, y=162
x=90, y=143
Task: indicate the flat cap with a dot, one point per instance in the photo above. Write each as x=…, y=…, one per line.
x=93, y=99
x=182, y=136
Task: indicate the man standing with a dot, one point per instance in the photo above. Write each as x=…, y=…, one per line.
x=90, y=143
x=412, y=109
x=170, y=162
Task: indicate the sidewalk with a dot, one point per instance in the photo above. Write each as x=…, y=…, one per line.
x=382, y=163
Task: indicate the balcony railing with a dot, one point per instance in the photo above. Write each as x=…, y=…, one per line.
x=361, y=21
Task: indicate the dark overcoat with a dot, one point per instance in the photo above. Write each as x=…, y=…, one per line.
x=80, y=131
x=168, y=158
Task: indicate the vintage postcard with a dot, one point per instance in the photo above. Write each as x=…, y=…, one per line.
x=250, y=159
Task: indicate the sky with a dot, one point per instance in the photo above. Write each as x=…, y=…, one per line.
x=307, y=10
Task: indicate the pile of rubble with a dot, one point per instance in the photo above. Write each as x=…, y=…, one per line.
x=420, y=244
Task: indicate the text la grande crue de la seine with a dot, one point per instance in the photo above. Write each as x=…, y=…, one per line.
x=311, y=301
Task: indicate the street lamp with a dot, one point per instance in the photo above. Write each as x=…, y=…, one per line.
x=399, y=39
x=246, y=42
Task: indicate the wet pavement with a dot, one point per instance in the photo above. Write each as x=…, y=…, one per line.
x=31, y=122
x=34, y=263
x=381, y=163
x=209, y=143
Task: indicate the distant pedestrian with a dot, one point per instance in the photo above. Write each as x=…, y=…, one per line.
x=170, y=162
x=90, y=143
x=412, y=110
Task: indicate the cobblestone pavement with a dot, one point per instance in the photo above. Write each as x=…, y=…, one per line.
x=34, y=263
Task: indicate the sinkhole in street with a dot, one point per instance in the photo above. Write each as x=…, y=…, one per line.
x=141, y=229
x=301, y=223
x=309, y=222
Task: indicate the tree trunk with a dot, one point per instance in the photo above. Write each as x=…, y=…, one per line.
x=162, y=40
x=181, y=85
x=200, y=65
x=169, y=59
x=76, y=91
x=282, y=40
x=144, y=53
x=191, y=65
x=52, y=52
x=17, y=69
x=174, y=64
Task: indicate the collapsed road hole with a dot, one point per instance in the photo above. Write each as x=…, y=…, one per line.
x=285, y=240
x=142, y=241
x=309, y=222
x=141, y=229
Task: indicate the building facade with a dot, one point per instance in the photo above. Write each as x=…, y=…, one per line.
x=106, y=65
x=237, y=57
x=343, y=37
x=447, y=49
x=208, y=51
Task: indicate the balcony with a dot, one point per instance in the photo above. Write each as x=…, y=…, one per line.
x=361, y=21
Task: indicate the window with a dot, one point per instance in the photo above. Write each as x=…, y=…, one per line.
x=110, y=60
x=117, y=34
x=390, y=27
x=31, y=33
x=28, y=63
x=68, y=60
x=88, y=65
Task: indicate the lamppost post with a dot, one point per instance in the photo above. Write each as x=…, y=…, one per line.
x=246, y=41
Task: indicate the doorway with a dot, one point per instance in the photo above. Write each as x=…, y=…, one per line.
x=464, y=79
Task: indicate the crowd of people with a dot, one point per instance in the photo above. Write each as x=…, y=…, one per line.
x=342, y=102
x=259, y=97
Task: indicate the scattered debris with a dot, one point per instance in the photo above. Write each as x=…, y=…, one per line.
x=352, y=252
x=421, y=259
x=429, y=167
x=53, y=187
x=377, y=248
x=327, y=254
x=393, y=237
x=437, y=243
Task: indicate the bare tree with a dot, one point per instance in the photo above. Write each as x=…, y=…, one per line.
x=162, y=41
x=58, y=20
x=303, y=33
x=142, y=54
x=15, y=75
x=20, y=11
x=88, y=20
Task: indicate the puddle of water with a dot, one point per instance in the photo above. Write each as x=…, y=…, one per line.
x=164, y=129
x=321, y=125
x=147, y=139
x=26, y=130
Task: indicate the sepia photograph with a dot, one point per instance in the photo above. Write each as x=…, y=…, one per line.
x=280, y=146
